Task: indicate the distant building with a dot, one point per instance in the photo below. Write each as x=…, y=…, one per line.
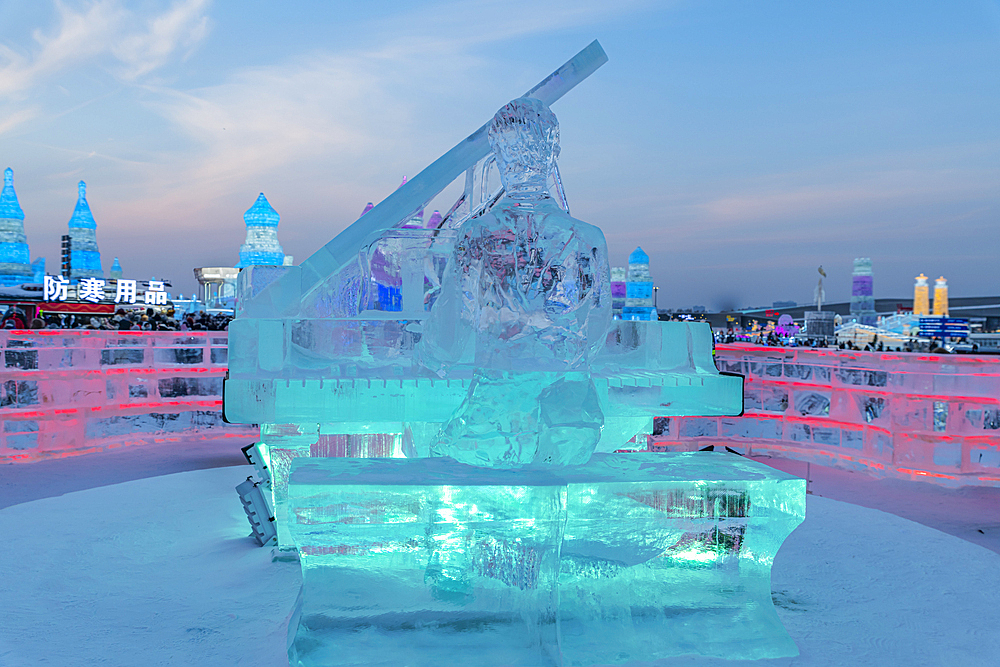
x=862, y=293
x=116, y=269
x=261, y=247
x=15, y=267
x=921, y=298
x=217, y=283
x=639, y=288
x=941, y=297
x=84, y=255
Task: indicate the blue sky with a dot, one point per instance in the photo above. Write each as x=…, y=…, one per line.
x=740, y=144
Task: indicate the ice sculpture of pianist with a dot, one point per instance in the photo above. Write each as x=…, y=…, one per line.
x=512, y=543
x=526, y=295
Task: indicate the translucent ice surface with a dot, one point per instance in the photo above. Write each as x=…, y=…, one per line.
x=486, y=337
x=900, y=414
x=629, y=557
x=527, y=286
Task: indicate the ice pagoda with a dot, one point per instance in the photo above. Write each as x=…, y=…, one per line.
x=85, y=257
x=14, y=263
x=261, y=247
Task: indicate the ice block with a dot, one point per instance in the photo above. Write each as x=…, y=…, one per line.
x=628, y=557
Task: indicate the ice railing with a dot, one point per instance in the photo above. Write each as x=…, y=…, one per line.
x=66, y=392
x=910, y=415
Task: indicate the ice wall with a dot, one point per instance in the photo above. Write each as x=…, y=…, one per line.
x=909, y=415
x=66, y=392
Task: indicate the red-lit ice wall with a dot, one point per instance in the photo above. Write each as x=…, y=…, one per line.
x=67, y=392
x=931, y=417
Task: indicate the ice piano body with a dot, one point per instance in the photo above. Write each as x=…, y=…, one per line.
x=324, y=356
x=627, y=557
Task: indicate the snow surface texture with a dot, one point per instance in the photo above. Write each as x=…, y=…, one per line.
x=160, y=572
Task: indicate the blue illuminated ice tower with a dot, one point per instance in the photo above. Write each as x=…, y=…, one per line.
x=261, y=247
x=85, y=257
x=639, y=289
x=14, y=263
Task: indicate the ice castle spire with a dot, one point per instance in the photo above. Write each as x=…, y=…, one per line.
x=15, y=267
x=85, y=257
x=261, y=246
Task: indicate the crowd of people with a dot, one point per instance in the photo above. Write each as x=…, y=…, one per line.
x=771, y=339
x=122, y=320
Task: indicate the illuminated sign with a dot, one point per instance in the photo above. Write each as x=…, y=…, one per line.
x=57, y=288
x=156, y=295
x=90, y=289
x=126, y=291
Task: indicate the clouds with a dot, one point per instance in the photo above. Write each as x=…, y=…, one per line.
x=155, y=41
x=698, y=141
x=385, y=98
x=137, y=44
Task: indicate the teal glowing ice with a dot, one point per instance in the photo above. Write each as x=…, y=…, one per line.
x=327, y=367
x=526, y=298
x=627, y=558
x=480, y=352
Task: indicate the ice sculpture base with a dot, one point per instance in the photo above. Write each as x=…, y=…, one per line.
x=629, y=557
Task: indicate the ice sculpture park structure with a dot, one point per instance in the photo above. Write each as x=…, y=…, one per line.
x=929, y=417
x=443, y=460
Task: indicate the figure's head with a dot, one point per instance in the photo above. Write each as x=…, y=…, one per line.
x=524, y=136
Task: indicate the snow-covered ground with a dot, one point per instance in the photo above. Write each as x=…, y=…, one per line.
x=160, y=571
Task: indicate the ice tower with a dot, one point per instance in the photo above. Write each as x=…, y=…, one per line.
x=261, y=247
x=941, y=297
x=85, y=258
x=116, y=269
x=619, y=278
x=862, y=299
x=921, y=296
x=639, y=288
x=15, y=267
x=497, y=349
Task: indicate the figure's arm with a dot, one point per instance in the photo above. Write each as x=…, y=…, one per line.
x=599, y=320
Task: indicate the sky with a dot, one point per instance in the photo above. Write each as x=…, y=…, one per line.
x=742, y=145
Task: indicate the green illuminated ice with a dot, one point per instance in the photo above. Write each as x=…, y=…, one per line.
x=430, y=400
x=629, y=557
x=372, y=348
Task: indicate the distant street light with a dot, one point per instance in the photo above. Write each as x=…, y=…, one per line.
x=655, y=290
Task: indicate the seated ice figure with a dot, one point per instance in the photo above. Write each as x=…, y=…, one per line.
x=526, y=300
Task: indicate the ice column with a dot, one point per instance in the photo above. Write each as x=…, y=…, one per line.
x=941, y=297
x=921, y=300
x=862, y=299
x=639, y=288
x=618, y=290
